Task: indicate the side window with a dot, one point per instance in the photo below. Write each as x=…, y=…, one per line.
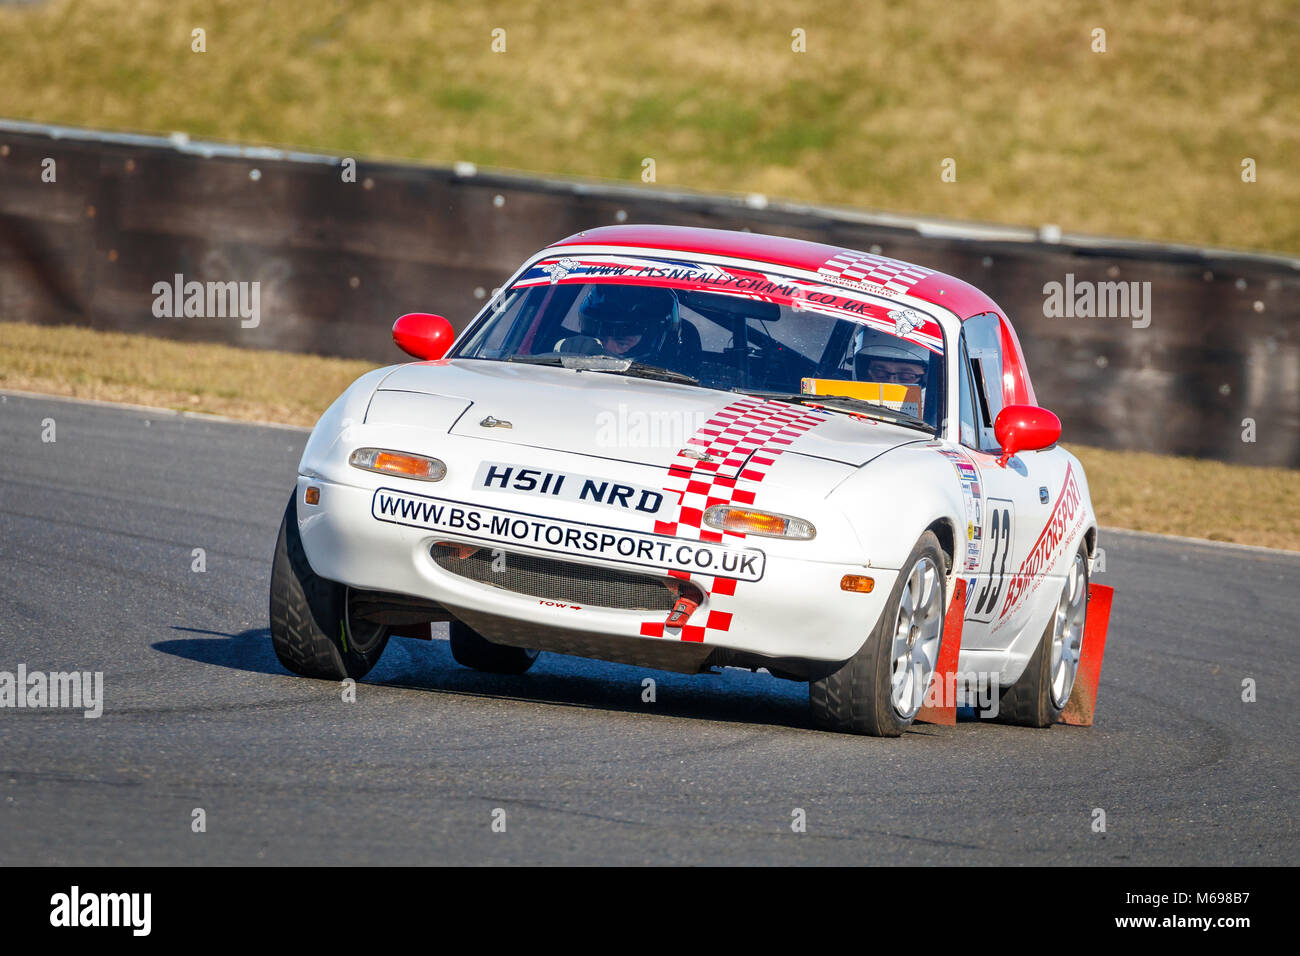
x=969, y=434
x=982, y=345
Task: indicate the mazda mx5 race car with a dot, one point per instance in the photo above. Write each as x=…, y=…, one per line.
x=687, y=449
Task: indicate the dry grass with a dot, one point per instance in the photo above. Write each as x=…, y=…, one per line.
x=1201, y=499
x=1143, y=140
x=1194, y=498
x=185, y=376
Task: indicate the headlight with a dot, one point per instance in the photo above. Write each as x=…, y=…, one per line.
x=767, y=523
x=400, y=463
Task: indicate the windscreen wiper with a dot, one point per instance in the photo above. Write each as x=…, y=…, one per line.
x=544, y=359
x=597, y=362
x=642, y=370
x=845, y=404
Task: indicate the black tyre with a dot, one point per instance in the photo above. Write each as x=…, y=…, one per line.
x=472, y=649
x=312, y=631
x=1043, y=690
x=879, y=690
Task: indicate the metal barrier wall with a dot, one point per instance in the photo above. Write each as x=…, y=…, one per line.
x=337, y=261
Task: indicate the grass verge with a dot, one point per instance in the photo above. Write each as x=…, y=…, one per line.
x=1141, y=132
x=248, y=384
x=1145, y=492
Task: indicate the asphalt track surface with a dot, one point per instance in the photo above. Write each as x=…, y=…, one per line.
x=97, y=532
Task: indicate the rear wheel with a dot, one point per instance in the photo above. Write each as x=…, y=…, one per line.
x=472, y=649
x=313, y=628
x=1043, y=690
x=881, y=688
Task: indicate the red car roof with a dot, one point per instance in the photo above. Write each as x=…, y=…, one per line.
x=960, y=297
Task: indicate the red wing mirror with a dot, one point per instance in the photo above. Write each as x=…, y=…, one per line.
x=423, y=335
x=1025, y=428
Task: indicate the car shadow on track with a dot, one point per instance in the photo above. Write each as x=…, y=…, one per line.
x=732, y=696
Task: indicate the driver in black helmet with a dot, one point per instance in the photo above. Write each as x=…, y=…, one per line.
x=630, y=321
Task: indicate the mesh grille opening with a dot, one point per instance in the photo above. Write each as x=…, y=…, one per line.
x=552, y=580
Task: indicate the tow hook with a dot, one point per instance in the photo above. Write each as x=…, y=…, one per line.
x=681, y=612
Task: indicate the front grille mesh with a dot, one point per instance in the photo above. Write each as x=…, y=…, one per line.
x=562, y=581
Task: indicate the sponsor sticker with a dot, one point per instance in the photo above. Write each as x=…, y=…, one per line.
x=968, y=476
x=848, y=296
x=542, y=533
x=1066, y=518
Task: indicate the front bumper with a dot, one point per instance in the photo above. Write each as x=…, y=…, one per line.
x=796, y=611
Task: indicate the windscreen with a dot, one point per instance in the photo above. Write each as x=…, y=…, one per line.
x=724, y=327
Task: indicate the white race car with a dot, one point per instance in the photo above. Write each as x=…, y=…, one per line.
x=686, y=449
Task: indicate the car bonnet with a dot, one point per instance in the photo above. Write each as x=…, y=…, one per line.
x=616, y=416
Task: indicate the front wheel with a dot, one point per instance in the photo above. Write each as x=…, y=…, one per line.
x=1043, y=690
x=881, y=688
x=313, y=629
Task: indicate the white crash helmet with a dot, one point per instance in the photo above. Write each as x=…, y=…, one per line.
x=869, y=344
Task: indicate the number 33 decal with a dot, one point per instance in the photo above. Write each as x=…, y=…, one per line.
x=998, y=529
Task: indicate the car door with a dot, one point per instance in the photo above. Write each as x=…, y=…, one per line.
x=1014, y=500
